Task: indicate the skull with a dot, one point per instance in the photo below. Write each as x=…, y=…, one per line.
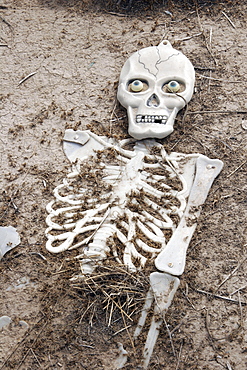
x=155, y=83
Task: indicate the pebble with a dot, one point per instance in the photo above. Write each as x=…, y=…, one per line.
x=23, y=324
x=244, y=124
x=4, y=321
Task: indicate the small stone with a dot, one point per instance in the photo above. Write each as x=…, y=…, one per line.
x=244, y=124
x=23, y=324
x=4, y=321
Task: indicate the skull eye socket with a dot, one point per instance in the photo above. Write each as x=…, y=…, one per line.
x=173, y=87
x=137, y=86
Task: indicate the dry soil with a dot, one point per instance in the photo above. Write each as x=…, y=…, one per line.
x=72, y=52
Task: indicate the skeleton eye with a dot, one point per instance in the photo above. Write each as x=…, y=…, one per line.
x=173, y=86
x=136, y=86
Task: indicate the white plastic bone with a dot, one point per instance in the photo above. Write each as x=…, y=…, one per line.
x=122, y=358
x=172, y=258
x=9, y=238
x=163, y=288
x=131, y=173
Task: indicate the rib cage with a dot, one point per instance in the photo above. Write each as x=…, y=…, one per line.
x=117, y=202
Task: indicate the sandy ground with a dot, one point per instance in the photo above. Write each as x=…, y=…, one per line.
x=74, y=53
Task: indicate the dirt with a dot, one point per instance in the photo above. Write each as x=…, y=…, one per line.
x=72, y=52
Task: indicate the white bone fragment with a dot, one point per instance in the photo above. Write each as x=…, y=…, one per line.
x=144, y=312
x=122, y=357
x=80, y=137
x=9, y=239
x=163, y=287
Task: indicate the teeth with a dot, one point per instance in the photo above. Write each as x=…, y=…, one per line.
x=151, y=119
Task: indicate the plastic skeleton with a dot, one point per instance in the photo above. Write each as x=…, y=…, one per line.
x=130, y=199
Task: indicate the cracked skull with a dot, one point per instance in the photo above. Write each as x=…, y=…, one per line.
x=155, y=83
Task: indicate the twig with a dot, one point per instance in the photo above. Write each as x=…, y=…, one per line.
x=60, y=272
x=101, y=223
x=120, y=331
x=119, y=307
x=186, y=16
x=180, y=324
x=236, y=169
x=86, y=346
x=204, y=68
x=177, y=142
x=241, y=310
x=126, y=327
x=218, y=112
x=39, y=255
x=4, y=21
x=179, y=355
x=117, y=119
x=235, y=291
x=189, y=37
x=220, y=297
x=219, y=79
x=210, y=38
x=84, y=313
x=229, y=20
x=91, y=317
x=200, y=143
x=210, y=46
x=185, y=114
x=110, y=316
x=208, y=329
x=205, y=40
x=36, y=358
x=112, y=114
x=14, y=205
x=230, y=275
x=228, y=365
x=170, y=336
x=119, y=14
x=80, y=346
x=189, y=301
x=26, y=78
